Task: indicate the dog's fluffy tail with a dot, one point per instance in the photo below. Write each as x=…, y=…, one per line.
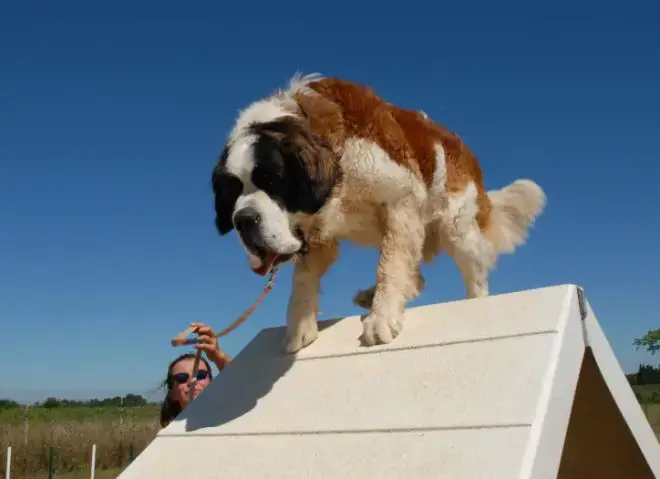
x=514, y=210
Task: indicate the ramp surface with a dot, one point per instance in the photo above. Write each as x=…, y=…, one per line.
x=480, y=388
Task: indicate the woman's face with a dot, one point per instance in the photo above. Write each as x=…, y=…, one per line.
x=181, y=376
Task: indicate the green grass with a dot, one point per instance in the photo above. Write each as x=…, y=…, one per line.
x=648, y=393
x=652, y=413
x=16, y=416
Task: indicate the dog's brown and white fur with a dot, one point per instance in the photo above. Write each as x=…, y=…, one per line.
x=326, y=160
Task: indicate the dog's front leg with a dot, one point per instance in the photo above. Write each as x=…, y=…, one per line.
x=397, y=279
x=302, y=329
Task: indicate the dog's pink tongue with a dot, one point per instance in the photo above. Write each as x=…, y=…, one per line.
x=267, y=264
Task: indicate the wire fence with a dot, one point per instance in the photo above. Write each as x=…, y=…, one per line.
x=12, y=472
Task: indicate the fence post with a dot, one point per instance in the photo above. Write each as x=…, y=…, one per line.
x=50, y=464
x=131, y=453
x=93, y=471
x=8, y=475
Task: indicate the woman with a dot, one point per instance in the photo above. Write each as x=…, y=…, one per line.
x=178, y=378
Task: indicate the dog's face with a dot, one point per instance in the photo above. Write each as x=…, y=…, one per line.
x=267, y=177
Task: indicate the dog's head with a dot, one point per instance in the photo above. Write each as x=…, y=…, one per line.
x=269, y=176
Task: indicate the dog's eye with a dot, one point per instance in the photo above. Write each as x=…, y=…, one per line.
x=268, y=176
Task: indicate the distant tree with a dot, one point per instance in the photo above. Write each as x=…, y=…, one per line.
x=650, y=341
x=51, y=403
x=640, y=375
x=129, y=400
x=8, y=404
x=134, y=400
x=647, y=374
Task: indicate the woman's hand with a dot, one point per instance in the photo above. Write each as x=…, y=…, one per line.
x=209, y=344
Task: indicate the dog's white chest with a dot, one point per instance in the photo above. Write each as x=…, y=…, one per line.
x=356, y=221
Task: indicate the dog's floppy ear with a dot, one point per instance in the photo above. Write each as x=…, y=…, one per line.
x=311, y=170
x=226, y=189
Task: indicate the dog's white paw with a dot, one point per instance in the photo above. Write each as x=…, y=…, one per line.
x=381, y=329
x=364, y=298
x=301, y=335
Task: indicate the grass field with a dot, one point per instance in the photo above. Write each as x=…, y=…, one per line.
x=652, y=412
x=72, y=431
x=648, y=393
x=81, y=474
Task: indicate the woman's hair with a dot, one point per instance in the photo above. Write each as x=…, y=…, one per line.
x=170, y=408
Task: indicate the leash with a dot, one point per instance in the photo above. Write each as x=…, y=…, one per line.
x=182, y=338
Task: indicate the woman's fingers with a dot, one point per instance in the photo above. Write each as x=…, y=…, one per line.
x=198, y=326
x=207, y=339
x=208, y=342
x=203, y=329
x=206, y=336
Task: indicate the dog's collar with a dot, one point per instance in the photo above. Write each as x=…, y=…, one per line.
x=305, y=245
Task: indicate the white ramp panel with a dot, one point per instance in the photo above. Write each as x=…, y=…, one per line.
x=470, y=389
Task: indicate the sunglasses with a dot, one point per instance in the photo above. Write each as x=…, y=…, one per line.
x=181, y=378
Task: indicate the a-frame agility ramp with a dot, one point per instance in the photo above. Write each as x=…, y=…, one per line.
x=521, y=385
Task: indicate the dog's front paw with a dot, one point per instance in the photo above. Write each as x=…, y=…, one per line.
x=381, y=329
x=301, y=335
x=364, y=298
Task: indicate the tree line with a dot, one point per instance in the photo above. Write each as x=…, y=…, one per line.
x=646, y=374
x=129, y=400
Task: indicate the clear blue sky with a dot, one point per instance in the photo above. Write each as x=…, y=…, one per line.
x=112, y=122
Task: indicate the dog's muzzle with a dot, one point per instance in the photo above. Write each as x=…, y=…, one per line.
x=247, y=221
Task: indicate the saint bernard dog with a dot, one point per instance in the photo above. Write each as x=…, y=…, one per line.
x=328, y=160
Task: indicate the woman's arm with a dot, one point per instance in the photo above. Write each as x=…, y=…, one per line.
x=219, y=358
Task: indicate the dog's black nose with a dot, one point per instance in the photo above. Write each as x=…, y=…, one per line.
x=246, y=220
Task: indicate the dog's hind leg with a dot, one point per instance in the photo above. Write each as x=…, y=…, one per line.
x=397, y=274
x=475, y=268
x=464, y=241
x=302, y=328
x=365, y=297
x=432, y=248
x=512, y=212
